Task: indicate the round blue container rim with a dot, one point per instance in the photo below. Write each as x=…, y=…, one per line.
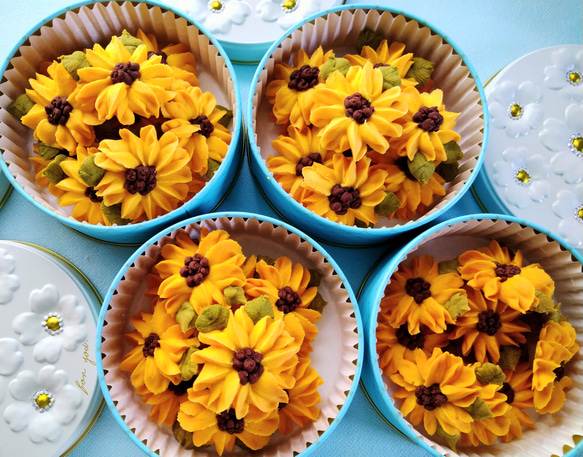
x=230, y=215
x=200, y=196
x=378, y=233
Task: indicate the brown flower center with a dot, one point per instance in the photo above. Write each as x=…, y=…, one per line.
x=308, y=162
x=559, y=372
x=206, y=126
x=150, y=344
x=181, y=388
x=430, y=397
x=489, y=322
x=343, y=198
x=91, y=195
x=504, y=271
x=303, y=78
x=507, y=390
x=227, y=422
x=162, y=54
x=141, y=179
x=409, y=341
x=248, y=363
x=429, y=119
x=58, y=111
x=288, y=300
x=125, y=73
x=358, y=108
x=418, y=288
x=195, y=270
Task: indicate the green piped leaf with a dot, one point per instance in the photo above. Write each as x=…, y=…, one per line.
x=73, y=62
x=453, y=151
x=48, y=152
x=315, y=278
x=90, y=173
x=113, y=214
x=234, y=296
x=545, y=303
x=420, y=71
x=479, y=410
x=368, y=37
x=212, y=167
x=53, y=171
x=186, y=317
x=361, y=224
x=457, y=305
x=332, y=64
x=268, y=260
x=391, y=77
x=448, y=171
x=421, y=168
x=22, y=105
x=188, y=368
x=129, y=41
x=451, y=440
x=318, y=303
x=389, y=205
x=227, y=117
x=509, y=356
x=448, y=266
x=213, y=317
x=490, y=373
x=259, y=308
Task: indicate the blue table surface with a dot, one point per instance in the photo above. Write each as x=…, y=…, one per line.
x=492, y=33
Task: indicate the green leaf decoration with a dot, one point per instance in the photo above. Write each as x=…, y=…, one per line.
x=362, y=224
x=48, y=152
x=457, y=305
x=53, y=171
x=391, y=77
x=73, y=62
x=420, y=71
x=188, y=368
x=234, y=296
x=315, y=278
x=368, y=38
x=453, y=151
x=389, y=205
x=545, y=303
x=259, y=308
x=490, y=373
x=421, y=168
x=90, y=173
x=509, y=356
x=113, y=214
x=22, y=105
x=268, y=260
x=555, y=315
x=227, y=117
x=212, y=167
x=451, y=440
x=479, y=410
x=129, y=41
x=318, y=303
x=332, y=64
x=448, y=266
x=213, y=317
x=448, y=171
x=186, y=317
x=182, y=436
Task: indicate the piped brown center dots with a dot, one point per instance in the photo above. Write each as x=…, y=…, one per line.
x=91, y=195
x=418, y=288
x=150, y=344
x=161, y=54
x=248, y=363
x=507, y=390
x=182, y=387
x=409, y=341
x=141, y=179
x=195, y=270
x=488, y=322
x=308, y=162
x=380, y=64
x=125, y=73
x=343, y=198
x=428, y=119
x=227, y=422
x=288, y=300
x=430, y=397
x=505, y=272
x=303, y=78
x=58, y=111
x=358, y=108
x=206, y=126
x=559, y=372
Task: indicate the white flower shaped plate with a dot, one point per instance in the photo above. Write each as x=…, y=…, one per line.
x=49, y=394
x=533, y=167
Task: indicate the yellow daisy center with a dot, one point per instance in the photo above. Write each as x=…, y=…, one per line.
x=574, y=77
x=53, y=323
x=515, y=111
x=42, y=400
x=289, y=5
x=579, y=213
x=216, y=6
x=577, y=143
x=523, y=176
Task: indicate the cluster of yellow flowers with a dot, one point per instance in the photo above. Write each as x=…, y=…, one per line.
x=474, y=345
x=363, y=136
x=224, y=357
x=123, y=133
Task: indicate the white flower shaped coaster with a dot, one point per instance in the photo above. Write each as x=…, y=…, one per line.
x=49, y=394
x=533, y=167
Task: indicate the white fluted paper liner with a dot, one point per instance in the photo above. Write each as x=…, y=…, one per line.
x=551, y=431
x=339, y=31
x=335, y=348
x=79, y=29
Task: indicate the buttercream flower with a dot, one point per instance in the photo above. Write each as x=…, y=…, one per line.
x=516, y=109
x=344, y=189
x=298, y=150
x=123, y=84
x=195, y=121
x=565, y=140
x=566, y=73
x=416, y=197
x=427, y=126
x=292, y=88
x=502, y=276
x=355, y=113
x=199, y=273
x=8, y=282
x=159, y=344
x=523, y=175
x=223, y=429
x=56, y=118
x=247, y=364
x=556, y=346
x=54, y=323
x=436, y=390
x=166, y=404
x=416, y=295
x=519, y=395
x=147, y=175
x=486, y=326
x=568, y=206
x=45, y=404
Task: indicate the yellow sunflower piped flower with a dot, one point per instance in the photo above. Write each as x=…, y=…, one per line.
x=427, y=126
x=501, y=276
x=355, y=113
x=56, y=118
x=146, y=175
x=416, y=295
x=519, y=395
x=198, y=273
x=165, y=405
x=344, y=189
